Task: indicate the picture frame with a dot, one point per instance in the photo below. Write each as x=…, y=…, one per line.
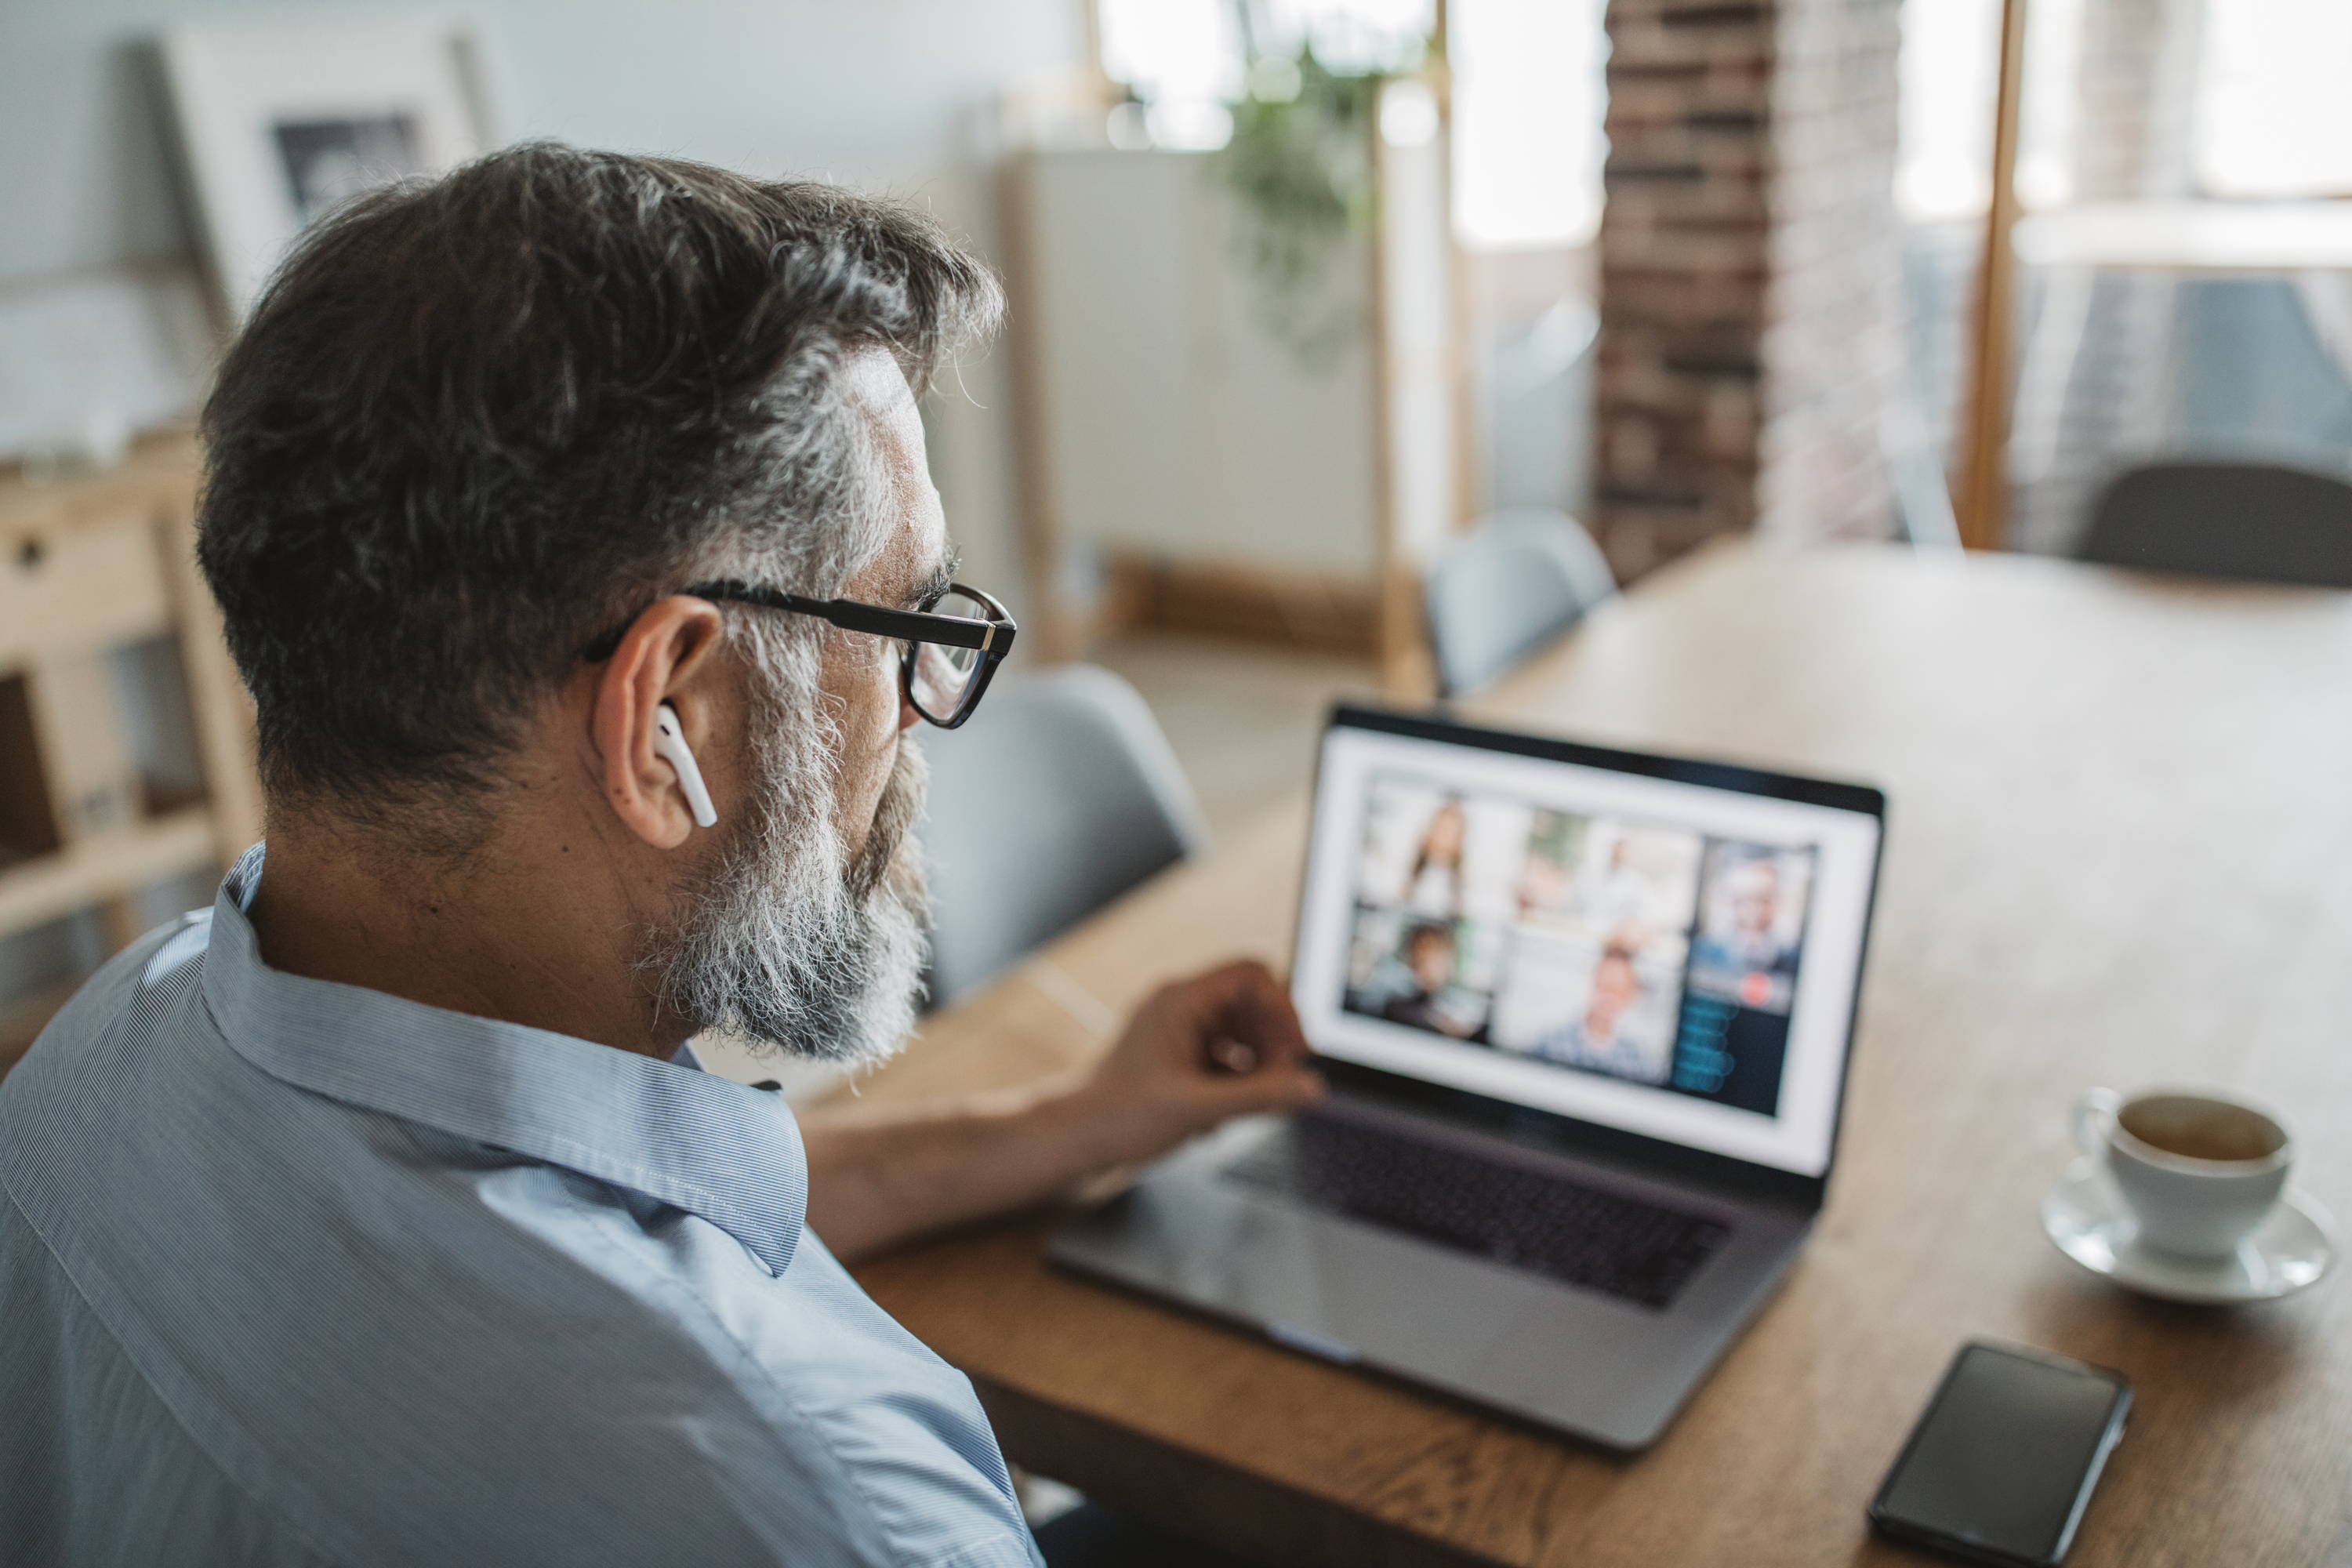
x=277, y=123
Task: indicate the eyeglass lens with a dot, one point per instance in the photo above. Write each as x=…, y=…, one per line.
x=942, y=675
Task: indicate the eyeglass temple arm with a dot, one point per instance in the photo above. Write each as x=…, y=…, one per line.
x=991, y=637
x=957, y=631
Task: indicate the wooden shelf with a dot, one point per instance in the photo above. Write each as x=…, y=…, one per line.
x=160, y=474
x=95, y=870
x=91, y=566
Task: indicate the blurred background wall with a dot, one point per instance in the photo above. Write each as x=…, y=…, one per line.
x=897, y=96
x=882, y=92
x=1310, y=297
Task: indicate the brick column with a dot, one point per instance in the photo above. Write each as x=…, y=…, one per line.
x=1750, y=273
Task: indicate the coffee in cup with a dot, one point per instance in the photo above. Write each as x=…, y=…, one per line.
x=2200, y=1171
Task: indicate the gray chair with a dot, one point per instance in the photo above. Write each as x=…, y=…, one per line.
x=1060, y=794
x=1923, y=497
x=1504, y=591
x=2254, y=522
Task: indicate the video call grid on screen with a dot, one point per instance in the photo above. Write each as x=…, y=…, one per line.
x=1667, y=958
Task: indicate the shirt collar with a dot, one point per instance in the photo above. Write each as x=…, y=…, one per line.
x=690, y=1139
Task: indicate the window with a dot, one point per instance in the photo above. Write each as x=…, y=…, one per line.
x=1186, y=59
x=1949, y=78
x=1529, y=91
x=1529, y=100
x=2274, y=114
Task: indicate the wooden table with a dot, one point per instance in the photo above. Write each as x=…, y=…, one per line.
x=2119, y=851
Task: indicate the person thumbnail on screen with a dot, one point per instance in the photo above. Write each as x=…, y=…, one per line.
x=1419, y=973
x=1554, y=935
x=1648, y=952
x=1433, y=882
x=1439, y=854
x=1605, y=1037
x=1410, y=972
x=1605, y=1006
x=1752, y=925
x=1594, y=965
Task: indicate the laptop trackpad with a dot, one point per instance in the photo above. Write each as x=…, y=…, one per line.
x=1335, y=1289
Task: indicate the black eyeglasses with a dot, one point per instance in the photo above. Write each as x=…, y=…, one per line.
x=950, y=651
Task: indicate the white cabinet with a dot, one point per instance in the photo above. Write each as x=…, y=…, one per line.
x=1167, y=421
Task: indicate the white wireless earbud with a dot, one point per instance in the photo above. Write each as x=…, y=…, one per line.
x=669, y=745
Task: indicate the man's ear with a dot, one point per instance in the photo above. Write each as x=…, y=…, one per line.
x=665, y=657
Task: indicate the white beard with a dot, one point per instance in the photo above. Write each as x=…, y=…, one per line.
x=789, y=946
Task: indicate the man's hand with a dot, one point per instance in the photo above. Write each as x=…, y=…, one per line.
x=1223, y=1044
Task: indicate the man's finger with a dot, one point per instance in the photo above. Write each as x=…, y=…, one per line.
x=1270, y=1088
x=1255, y=1010
x=1234, y=1055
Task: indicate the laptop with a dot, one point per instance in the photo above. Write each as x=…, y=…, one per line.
x=1586, y=1017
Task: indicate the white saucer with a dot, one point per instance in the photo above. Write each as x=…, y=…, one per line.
x=2085, y=1216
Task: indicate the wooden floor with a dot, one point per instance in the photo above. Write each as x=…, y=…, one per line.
x=1243, y=717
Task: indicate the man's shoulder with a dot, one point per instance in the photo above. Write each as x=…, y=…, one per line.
x=123, y=990
x=568, y=1397
x=746, y=1419
x=60, y=1109
x=417, y=1346
x=449, y=1354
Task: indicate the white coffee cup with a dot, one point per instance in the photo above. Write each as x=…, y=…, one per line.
x=2199, y=1170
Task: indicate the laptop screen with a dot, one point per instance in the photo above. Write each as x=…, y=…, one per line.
x=1668, y=949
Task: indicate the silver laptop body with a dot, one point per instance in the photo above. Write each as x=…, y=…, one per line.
x=1586, y=1016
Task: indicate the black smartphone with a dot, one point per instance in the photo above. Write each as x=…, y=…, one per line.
x=2001, y=1466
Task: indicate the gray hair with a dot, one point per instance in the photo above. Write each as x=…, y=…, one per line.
x=476, y=421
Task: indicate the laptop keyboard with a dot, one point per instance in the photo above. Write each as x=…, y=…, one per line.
x=1523, y=1219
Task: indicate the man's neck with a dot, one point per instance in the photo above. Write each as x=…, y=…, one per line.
x=527, y=932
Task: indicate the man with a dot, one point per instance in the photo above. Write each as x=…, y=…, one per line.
x=1740, y=952
x=1596, y=1040
x=1747, y=935
x=1428, y=953
x=368, y=1217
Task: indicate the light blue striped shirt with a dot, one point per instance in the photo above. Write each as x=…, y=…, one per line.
x=293, y=1272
